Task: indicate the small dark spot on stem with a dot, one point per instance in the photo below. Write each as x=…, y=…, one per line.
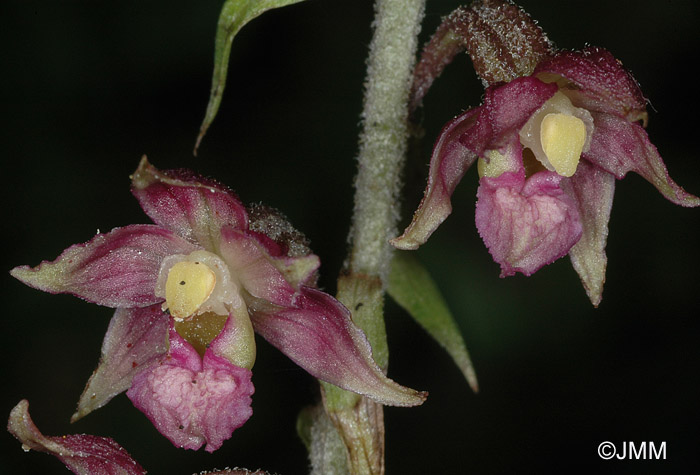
x=357, y=307
x=182, y=282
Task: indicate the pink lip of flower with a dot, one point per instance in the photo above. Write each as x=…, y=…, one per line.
x=530, y=216
x=250, y=267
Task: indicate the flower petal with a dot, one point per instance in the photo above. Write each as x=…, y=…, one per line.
x=505, y=111
x=117, y=269
x=193, y=401
x=618, y=146
x=188, y=204
x=448, y=164
x=297, y=269
x=254, y=267
x=134, y=339
x=599, y=83
x=593, y=190
x=526, y=224
x=83, y=454
x=318, y=335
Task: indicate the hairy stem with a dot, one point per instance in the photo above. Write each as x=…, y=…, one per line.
x=383, y=140
x=383, y=145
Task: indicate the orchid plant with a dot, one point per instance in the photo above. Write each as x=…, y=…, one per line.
x=554, y=132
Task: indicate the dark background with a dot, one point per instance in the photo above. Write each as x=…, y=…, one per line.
x=90, y=86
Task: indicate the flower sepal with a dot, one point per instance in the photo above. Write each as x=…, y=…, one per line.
x=83, y=454
x=318, y=334
x=135, y=339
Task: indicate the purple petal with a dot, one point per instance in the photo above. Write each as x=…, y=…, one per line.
x=448, y=164
x=249, y=261
x=135, y=338
x=82, y=454
x=526, y=224
x=593, y=190
x=505, y=111
x=188, y=204
x=297, y=268
x=618, y=146
x=117, y=269
x=599, y=82
x=318, y=335
x=193, y=400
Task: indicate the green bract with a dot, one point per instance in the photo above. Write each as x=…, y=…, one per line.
x=411, y=286
x=234, y=15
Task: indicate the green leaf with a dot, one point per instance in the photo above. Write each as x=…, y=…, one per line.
x=411, y=286
x=234, y=15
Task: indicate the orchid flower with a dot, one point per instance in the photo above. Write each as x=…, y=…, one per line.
x=555, y=130
x=190, y=290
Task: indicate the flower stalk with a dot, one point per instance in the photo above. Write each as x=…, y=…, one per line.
x=383, y=145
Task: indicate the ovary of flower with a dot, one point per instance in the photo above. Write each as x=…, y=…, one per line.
x=563, y=137
x=188, y=286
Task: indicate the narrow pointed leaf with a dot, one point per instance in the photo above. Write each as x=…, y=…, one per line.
x=234, y=15
x=411, y=286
